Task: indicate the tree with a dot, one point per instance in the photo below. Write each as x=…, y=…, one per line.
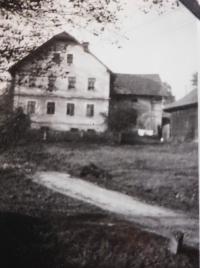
x=169, y=97
x=195, y=80
x=26, y=24
x=121, y=118
x=15, y=127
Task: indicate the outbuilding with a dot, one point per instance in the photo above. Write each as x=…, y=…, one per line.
x=184, y=117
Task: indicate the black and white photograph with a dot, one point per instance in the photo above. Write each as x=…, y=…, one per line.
x=99, y=133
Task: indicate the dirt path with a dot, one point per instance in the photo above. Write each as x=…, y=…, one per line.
x=153, y=218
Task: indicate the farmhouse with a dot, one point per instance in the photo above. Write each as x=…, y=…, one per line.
x=184, y=117
x=62, y=86
x=145, y=93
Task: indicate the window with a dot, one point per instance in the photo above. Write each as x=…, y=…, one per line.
x=134, y=100
x=91, y=131
x=91, y=83
x=31, y=107
x=56, y=58
x=51, y=83
x=32, y=80
x=69, y=58
x=71, y=82
x=70, y=109
x=90, y=110
x=51, y=108
x=74, y=129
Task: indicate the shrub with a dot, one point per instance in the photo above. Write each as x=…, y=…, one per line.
x=15, y=127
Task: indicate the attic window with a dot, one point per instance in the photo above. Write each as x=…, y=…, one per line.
x=91, y=83
x=56, y=58
x=69, y=58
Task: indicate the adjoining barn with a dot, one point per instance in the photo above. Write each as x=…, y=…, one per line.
x=184, y=117
x=145, y=93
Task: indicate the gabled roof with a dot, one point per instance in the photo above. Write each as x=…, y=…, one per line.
x=138, y=84
x=61, y=36
x=188, y=100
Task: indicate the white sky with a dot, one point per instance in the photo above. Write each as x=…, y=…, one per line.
x=151, y=43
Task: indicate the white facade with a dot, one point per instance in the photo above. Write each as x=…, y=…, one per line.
x=44, y=78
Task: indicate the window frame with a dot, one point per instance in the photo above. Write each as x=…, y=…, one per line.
x=70, y=58
x=56, y=57
x=93, y=81
x=53, y=110
x=51, y=83
x=29, y=111
x=70, y=111
x=32, y=80
x=90, y=110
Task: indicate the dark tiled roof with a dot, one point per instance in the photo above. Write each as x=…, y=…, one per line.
x=189, y=99
x=132, y=84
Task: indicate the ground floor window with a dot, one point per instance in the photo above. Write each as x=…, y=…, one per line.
x=31, y=107
x=51, y=108
x=74, y=129
x=70, y=109
x=90, y=110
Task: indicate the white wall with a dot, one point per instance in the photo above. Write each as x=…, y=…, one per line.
x=84, y=66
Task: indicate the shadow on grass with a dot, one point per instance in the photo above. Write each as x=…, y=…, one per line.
x=26, y=242
x=71, y=242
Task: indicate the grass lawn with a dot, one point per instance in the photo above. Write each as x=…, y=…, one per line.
x=165, y=175
x=39, y=228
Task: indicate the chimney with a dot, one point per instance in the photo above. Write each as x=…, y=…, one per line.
x=85, y=46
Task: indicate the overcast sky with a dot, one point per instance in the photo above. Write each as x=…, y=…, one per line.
x=151, y=43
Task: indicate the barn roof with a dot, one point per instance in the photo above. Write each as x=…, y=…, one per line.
x=188, y=100
x=61, y=36
x=140, y=84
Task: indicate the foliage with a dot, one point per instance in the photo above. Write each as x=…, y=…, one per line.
x=27, y=24
x=168, y=90
x=195, y=80
x=121, y=118
x=20, y=5
x=15, y=127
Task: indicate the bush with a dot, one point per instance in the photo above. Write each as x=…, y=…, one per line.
x=14, y=128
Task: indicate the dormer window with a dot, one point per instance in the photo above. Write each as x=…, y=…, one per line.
x=71, y=82
x=91, y=83
x=69, y=58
